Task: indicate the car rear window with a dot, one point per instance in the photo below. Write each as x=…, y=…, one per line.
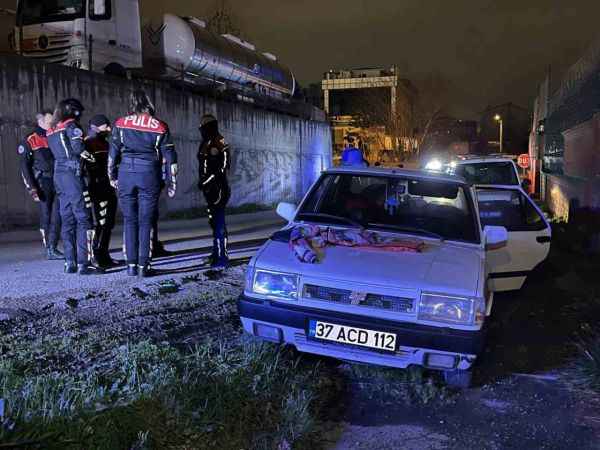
x=502, y=173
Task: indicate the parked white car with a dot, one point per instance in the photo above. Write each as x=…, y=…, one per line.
x=486, y=170
x=393, y=308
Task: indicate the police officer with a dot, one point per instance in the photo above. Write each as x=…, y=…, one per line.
x=65, y=140
x=139, y=144
x=37, y=170
x=214, y=161
x=103, y=195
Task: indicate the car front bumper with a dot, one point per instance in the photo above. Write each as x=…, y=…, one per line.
x=288, y=323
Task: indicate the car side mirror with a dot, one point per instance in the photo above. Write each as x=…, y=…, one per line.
x=286, y=210
x=495, y=237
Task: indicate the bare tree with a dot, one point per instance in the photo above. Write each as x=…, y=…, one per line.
x=221, y=20
x=432, y=101
x=386, y=126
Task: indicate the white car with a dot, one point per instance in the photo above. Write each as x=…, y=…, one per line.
x=393, y=308
x=486, y=170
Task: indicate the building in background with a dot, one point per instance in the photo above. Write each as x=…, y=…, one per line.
x=7, y=25
x=374, y=104
x=567, y=136
x=537, y=139
x=516, y=122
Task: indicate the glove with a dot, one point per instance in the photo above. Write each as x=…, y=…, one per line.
x=34, y=194
x=87, y=156
x=172, y=190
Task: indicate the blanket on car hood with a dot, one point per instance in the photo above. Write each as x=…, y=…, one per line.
x=307, y=240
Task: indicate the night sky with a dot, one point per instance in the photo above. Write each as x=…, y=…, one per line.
x=492, y=51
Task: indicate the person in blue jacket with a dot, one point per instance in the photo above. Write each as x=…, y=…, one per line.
x=353, y=156
x=65, y=140
x=140, y=145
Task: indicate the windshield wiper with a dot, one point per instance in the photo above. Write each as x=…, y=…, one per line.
x=331, y=217
x=385, y=226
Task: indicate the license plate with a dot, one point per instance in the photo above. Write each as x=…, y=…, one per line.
x=343, y=334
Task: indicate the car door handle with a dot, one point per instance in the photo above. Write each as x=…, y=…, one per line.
x=543, y=239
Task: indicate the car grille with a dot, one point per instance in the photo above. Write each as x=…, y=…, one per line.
x=347, y=297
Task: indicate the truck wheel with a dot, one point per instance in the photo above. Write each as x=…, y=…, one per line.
x=458, y=378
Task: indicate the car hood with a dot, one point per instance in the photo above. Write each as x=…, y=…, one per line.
x=441, y=267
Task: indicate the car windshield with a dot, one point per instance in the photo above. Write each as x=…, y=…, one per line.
x=501, y=172
x=428, y=208
x=39, y=11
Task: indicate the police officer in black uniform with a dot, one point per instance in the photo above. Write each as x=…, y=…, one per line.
x=214, y=161
x=140, y=143
x=103, y=195
x=37, y=170
x=65, y=140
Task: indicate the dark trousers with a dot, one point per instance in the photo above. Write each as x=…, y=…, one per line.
x=75, y=214
x=139, y=190
x=216, y=220
x=49, y=211
x=105, y=202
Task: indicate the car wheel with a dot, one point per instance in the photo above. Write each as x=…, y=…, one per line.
x=458, y=378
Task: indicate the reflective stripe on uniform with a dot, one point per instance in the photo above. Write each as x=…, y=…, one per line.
x=62, y=140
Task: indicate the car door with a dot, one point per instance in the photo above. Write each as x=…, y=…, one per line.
x=529, y=235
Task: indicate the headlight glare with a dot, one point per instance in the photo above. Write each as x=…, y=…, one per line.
x=440, y=308
x=275, y=284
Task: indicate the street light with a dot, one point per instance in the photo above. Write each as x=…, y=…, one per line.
x=498, y=119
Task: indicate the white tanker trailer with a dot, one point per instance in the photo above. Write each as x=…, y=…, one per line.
x=106, y=35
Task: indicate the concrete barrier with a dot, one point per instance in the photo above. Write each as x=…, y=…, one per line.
x=275, y=156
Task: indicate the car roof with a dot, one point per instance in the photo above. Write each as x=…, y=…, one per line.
x=501, y=187
x=470, y=159
x=408, y=173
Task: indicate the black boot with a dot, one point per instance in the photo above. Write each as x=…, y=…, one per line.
x=132, y=270
x=88, y=269
x=70, y=267
x=222, y=259
x=145, y=272
x=53, y=254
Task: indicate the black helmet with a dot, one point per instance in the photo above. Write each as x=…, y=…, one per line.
x=73, y=107
x=139, y=103
x=70, y=108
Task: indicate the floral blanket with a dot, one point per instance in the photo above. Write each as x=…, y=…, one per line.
x=305, y=240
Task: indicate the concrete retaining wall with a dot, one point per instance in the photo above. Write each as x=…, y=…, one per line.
x=275, y=156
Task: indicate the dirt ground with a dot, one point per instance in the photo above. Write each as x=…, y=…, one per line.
x=519, y=400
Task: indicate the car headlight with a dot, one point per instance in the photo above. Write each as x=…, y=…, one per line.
x=275, y=284
x=441, y=308
x=434, y=164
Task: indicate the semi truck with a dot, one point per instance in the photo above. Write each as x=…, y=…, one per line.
x=110, y=36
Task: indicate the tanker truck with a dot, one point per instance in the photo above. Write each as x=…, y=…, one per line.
x=109, y=36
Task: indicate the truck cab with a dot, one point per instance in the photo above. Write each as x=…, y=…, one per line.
x=98, y=35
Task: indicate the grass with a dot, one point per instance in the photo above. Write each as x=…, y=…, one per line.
x=584, y=372
x=150, y=395
x=389, y=386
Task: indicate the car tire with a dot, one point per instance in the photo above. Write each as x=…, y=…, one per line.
x=458, y=378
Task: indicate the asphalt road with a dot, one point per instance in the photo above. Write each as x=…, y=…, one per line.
x=25, y=273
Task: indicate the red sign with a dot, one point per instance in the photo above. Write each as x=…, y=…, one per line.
x=523, y=161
